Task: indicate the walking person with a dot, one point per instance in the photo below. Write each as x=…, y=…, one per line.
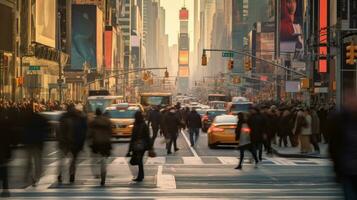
x=315, y=130
x=285, y=128
x=172, y=124
x=36, y=130
x=140, y=142
x=99, y=135
x=257, y=124
x=71, y=138
x=154, y=121
x=194, y=124
x=302, y=128
x=243, y=136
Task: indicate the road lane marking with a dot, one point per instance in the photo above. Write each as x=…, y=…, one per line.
x=228, y=160
x=192, y=160
x=50, y=154
x=156, y=161
x=165, y=181
x=189, y=144
x=120, y=161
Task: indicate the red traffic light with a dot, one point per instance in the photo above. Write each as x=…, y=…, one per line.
x=230, y=65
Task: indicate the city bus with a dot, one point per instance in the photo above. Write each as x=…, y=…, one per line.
x=155, y=99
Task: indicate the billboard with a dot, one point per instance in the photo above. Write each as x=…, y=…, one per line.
x=6, y=35
x=183, y=57
x=323, y=35
x=183, y=26
x=291, y=26
x=86, y=38
x=184, y=72
x=46, y=22
x=184, y=41
x=108, y=49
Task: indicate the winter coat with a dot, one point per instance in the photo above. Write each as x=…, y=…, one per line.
x=307, y=130
x=172, y=124
x=99, y=134
x=243, y=134
x=257, y=125
x=154, y=118
x=72, y=132
x=315, y=123
x=342, y=128
x=141, y=135
x=194, y=120
x=36, y=130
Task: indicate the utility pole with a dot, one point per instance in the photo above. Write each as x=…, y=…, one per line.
x=59, y=80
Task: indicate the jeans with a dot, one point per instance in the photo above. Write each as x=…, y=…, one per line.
x=314, y=141
x=72, y=167
x=155, y=130
x=34, y=162
x=103, y=166
x=140, y=156
x=258, y=148
x=194, y=134
x=172, y=140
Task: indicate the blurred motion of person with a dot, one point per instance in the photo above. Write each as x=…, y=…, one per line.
x=36, y=130
x=315, y=130
x=342, y=131
x=173, y=125
x=154, y=121
x=140, y=142
x=257, y=124
x=99, y=135
x=194, y=124
x=71, y=138
x=243, y=136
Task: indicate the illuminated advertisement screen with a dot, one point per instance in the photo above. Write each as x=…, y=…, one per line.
x=46, y=22
x=184, y=72
x=184, y=41
x=291, y=26
x=84, y=36
x=323, y=36
x=183, y=58
x=6, y=36
x=108, y=49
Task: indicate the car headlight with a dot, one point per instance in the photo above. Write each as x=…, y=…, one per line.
x=131, y=126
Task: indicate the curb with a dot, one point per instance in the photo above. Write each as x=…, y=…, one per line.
x=298, y=155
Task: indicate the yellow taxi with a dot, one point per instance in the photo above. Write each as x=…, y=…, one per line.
x=122, y=118
x=222, y=131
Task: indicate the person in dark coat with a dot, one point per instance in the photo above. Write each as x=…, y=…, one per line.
x=99, y=135
x=194, y=124
x=71, y=138
x=36, y=130
x=342, y=130
x=285, y=128
x=173, y=124
x=257, y=124
x=154, y=121
x=140, y=142
x=243, y=136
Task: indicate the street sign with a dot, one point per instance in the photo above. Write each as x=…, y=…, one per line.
x=227, y=54
x=34, y=67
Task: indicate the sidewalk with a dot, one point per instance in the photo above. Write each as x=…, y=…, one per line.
x=294, y=152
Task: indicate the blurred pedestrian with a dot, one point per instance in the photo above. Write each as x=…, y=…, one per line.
x=257, y=124
x=302, y=128
x=243, y=135
x=140, y=142
x=172, y=124
x=194, y=125
x=285, y=128
x=99, y=135
x=71, y=138
x=154, y=121
x=315, y=130
x=342, y=129
x=36, y=131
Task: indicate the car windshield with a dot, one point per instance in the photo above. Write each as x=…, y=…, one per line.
x=241, y=107
x=155, y=100
x=225, y=119
x=121, y=114
x=201, y=112
x=215, y=113
x=102, y=104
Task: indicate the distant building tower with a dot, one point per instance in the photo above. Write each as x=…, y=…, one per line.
x=183, y=53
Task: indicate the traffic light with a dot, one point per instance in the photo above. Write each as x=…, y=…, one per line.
x=166, y=74
x=247, y=65
x=351, y=53
x=204, y=59
x=230, y=65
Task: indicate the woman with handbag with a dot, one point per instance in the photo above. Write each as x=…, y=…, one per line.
x=243, y=135
x=140, y=142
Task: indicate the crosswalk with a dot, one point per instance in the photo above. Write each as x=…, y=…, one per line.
x=189, y=160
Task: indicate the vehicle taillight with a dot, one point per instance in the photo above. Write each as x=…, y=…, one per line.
x=246, y=130
x=216, y=129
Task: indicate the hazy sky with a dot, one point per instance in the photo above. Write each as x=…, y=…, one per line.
x=172, y=8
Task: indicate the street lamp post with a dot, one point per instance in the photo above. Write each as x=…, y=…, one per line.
x=59, y=80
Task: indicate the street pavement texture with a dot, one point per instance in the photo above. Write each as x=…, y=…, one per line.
x=191, y=173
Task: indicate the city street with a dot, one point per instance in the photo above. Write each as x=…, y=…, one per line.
x=189, y=173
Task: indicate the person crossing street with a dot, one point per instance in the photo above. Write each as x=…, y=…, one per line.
x=194, y=124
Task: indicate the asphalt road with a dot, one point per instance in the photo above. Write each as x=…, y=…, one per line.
x=198, y=172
